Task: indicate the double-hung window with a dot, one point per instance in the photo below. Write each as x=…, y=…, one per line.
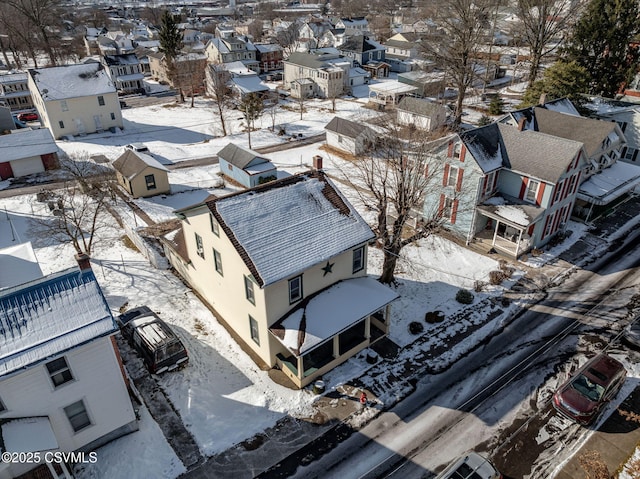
x=77, y=415
x=358, y=259
x=59, y=371
x=217, y=260
x=295, y=289
x=248, y=290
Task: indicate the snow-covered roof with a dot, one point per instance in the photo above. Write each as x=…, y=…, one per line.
x=131, y=163
x=511, y=211
x=72, y=81
x=249, y=84
x=348, y=128
x=327, y=313
x=286, y=226
x=27, y=143
x=18, y=265
x=50, y=315
x=392, y=87
x=610, y=183
x=241, y=157
x=28, y=434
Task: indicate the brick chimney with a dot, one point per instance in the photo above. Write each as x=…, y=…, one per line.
x=521, y=122
x=543, y=99
x=84, y=261
x=317, y=162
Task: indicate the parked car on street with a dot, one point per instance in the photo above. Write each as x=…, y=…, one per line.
x=153, y=339
x=470, y=466
x=28, y=116
x=583, y=395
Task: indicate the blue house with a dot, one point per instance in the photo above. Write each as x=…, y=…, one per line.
x=246, y=166
x=510, y=189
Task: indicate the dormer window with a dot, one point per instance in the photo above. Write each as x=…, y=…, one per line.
x=457, y=149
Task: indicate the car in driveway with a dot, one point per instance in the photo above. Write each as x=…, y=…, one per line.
x=137, y=147
x=28, y=116
x=160, y=348
x=470, y=466
x=584, y=394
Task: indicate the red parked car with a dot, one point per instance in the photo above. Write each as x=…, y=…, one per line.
x=28, y=116
x=584, y=394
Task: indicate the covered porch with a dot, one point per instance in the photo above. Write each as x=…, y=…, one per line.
x=505, y=227
x=331, y=326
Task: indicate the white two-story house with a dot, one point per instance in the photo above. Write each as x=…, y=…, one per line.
x=284, y=265
x=75, y=99
x=62, y=382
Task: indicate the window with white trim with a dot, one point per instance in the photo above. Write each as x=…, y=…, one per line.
x=457, y=149
x=358, y=259
x=532, y=191
x=452, y=179
x=77, y=415
x=199, y=247
x=59, y=371
x=447, y=208
x=215, y=227
x=295, y=289
x=255, y=332
x=248, y=290
x=217, y=261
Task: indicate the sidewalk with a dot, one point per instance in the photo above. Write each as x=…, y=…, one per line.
x=615, y=440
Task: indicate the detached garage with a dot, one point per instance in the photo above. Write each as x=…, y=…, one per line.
x=25, y=152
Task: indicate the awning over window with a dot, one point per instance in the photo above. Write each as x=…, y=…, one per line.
x=28, y=434
x=327, y=313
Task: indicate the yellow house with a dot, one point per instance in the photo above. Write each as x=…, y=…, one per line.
x=75, y=99
x=141, y=174
x=285, y=266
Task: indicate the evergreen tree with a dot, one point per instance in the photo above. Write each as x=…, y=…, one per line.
x=600, y=42
x=562, y=79
x=169, y=35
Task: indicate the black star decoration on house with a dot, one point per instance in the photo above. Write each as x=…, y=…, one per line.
x=327, y=268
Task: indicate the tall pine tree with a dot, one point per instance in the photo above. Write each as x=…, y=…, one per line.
x=171, y=45
x=600, y=42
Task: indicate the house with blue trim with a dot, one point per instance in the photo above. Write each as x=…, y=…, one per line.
x=62, y=382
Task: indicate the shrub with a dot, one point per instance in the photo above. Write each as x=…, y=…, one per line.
x=485, y=120
x=478, y=286
x=415, y=327
x=496, y=277
x=464, y=296
x=433, y=317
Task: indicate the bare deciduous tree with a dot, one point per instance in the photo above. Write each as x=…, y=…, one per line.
x=44, y=17
x=252, y=108
x=79, y=211
x=219, y=92
x=392, y=179
x=456, y=50
x=542, y=22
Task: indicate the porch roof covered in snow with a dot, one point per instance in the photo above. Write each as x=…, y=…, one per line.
x=511, y=211
x=329, y=312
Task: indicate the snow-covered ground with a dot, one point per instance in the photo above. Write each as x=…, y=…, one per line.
x=222, y=396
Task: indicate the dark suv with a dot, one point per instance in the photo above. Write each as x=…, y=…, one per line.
x=154, y=340
x=584, y=394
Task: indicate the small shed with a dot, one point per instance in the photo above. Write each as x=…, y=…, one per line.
x=246, y=166
x=349, y=136
x=141, y=174
x=423, y=114
x=426, y=83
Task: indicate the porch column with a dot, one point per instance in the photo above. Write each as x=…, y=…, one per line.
x=367, y=327
x=495, y=233
x=336, y=346
x=300, y=364
x=518, y=243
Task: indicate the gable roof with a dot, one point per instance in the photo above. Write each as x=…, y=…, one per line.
x=347, y=128
x=359, y=44
x=50, y=315
x=284, y=227
x=589, y=131
x=131, y=163
x=241, y=157
x=72, y=81
x=532, y=153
